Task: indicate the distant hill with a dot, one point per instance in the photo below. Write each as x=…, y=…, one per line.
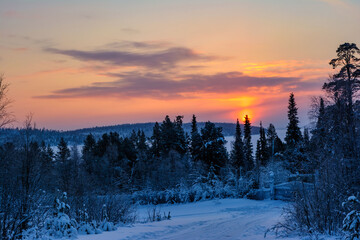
x=78, y=136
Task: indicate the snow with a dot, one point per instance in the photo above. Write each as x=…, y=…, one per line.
x=213, y=219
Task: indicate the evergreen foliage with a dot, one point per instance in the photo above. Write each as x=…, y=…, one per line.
x=237, y=151
x=248, y=148
x=262, y=148
x=196, y=142
x=213, y=151
x=293, y=133
x=273, y=142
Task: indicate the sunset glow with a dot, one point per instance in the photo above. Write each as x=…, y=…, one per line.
x=92, y=63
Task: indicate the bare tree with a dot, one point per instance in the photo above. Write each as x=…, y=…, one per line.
x=6, y=117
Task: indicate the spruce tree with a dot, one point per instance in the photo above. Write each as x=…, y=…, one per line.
x=88, y=152
x=318, y=138
x=237, y=151
x=273, y=142
x=196, y=143
x=180, y=141
x=156, y=141
x=213, y=152
x=248, y=148
x=63, y=153
x=293, y=133
x=168, y=136
x=63, y=165
x=263, y=151
x=258, y=163
x=141, y=144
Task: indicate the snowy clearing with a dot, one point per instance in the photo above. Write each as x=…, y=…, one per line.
x=213, y=219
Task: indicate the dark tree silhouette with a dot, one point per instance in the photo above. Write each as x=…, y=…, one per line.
x=237, y=151
x=343, y=85
x=293, y=133
x=248, y=148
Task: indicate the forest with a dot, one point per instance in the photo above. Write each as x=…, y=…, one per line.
x=62, y=190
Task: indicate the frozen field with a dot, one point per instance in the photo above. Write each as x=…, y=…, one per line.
x=215, y=219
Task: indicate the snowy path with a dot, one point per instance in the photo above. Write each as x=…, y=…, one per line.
x=215, y=219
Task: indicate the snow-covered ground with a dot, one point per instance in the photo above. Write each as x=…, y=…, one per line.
x=213, y=219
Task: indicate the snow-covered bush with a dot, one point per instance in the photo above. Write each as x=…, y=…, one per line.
x=59, y=225
x=202, y=188
x=96, y=214
x=351, y=223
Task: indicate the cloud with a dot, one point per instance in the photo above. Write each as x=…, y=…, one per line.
x=152, y=57
x=138, y=45
x=158, y=86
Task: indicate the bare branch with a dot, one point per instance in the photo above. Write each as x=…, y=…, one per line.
x=6, y=117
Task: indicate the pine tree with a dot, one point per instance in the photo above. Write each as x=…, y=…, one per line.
x=88, y=152
x=64, y=166
x=293, y=133
x=343, y=86
x=89, y=145
x=318, y=138
x=263, y=151
x=258, y=163
x=180, y=141
x=248, y=148
x=167, y=136
x=156, y=141
x=273, y=142
x=141, y=145
x=63, y=153
x=213, y=152
x=196, y=143
x=237, y=152
x=258, y=153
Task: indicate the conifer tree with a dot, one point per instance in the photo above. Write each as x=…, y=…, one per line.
x=293, y=133
x=237, y=151
x=196, y=143
x=263, y=150
x=156, y=141
x=343, y=87
x=88, y=152
x=258, y=163
x=180, y=141
x=213, y=152
x=318, y=138
x=141, y=144
x=167, y=136
x=63, y=153
x=248, y=148
x=273, y=142
x=64, y=165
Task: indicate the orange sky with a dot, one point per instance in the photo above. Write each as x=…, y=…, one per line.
x=91, y=63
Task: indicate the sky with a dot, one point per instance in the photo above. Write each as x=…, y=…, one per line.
x=84, y=63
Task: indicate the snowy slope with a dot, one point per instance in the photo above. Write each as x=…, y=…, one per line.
x=214, y=219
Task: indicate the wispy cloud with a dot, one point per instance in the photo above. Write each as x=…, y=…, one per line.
x=158, y=86
x=152, y=55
